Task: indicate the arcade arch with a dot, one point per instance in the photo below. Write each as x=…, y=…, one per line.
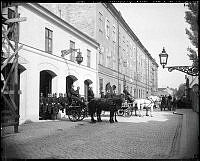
x=87, y=83
x=46, y=77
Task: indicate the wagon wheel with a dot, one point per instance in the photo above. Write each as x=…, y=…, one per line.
x=120, y=112
x=128, y=112
x=74, y=115
x=82, y=114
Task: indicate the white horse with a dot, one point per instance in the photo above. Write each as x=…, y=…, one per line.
x=141, y=103
x=156, y=100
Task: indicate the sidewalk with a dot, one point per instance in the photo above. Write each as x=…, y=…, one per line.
x=189, y=141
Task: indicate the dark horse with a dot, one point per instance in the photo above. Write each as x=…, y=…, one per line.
x=96, y=105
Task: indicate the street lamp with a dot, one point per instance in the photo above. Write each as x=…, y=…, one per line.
x=190, y=70
x=163, y=58
x=79, y=58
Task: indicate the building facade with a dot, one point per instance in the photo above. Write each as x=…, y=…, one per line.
x=122, y=59
x=42, y=68
x=193, y=82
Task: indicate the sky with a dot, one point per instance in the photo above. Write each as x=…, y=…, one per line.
x=159, y=25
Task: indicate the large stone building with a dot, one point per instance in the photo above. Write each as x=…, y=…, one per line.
x=122, y=60
x=42, y=68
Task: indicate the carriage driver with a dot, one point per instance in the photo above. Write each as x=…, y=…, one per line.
x=75, y=95
x=127, y=95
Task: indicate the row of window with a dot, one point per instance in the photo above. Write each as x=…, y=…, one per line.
x=48, y=39
x=107, y=28
x=137, y=93
x=49, y=46
x=129, y=48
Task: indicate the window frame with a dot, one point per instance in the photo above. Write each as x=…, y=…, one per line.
x=48, y=40
x=107, y=28
x=88, y=58
x=114, y=33
x=100, y=22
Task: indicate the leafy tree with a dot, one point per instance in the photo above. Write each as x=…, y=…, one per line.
x=191, y=17
x=181, y=91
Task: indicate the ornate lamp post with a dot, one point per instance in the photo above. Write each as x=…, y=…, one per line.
x=79, y=58
x=190, y=70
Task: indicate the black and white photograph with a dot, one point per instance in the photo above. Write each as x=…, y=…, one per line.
x=100, y=80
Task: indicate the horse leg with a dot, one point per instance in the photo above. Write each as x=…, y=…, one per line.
x=147, y=109
x=151, y=111
x=99, y=116
x=141, y=110
x=92, y=118
x=115, y=116
x=111, y=116
x=135, y=110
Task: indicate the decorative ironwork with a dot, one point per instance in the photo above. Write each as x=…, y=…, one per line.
x=190, y=70
x=79, y=57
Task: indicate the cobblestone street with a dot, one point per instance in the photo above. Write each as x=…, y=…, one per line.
x=131, y=138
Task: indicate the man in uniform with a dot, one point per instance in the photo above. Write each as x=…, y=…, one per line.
x=90, y=94
x=109, y=91
x=75, y=95
x=127, y=95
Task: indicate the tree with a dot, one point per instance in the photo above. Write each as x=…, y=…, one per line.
x=181, y=91
x=191, y=17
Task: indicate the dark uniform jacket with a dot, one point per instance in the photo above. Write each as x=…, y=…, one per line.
x=90, y=94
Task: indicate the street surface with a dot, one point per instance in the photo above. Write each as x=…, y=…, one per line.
x=133, y=137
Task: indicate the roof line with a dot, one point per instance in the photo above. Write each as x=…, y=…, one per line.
x=121, y=19
x=60, y=21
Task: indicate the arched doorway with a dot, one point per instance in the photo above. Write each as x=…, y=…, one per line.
x=46, y=77
x=70, y=79
x=87, y=82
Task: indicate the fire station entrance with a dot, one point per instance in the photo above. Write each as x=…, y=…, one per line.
x=46, y=77
x=70, y=79
x=87, y=82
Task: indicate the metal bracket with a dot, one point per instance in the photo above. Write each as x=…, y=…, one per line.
x=190, y=70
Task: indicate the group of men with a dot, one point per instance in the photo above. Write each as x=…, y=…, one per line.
x=168, y=102
x=110, y=93
x=74, y=94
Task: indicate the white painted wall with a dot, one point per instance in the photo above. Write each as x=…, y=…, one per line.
x=32, y=33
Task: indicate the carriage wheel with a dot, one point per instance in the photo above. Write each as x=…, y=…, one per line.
x=82, y=114
x=120, y=112
x=127, y=113
x=74, y=115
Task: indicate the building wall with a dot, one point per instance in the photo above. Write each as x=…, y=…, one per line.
x=138, y=73
x=80, y=15
x=35, y=59
x=194, y=91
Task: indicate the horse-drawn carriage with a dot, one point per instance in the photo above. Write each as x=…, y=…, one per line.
x=137, y=106
x=126, y=109
x=78, y=109
x=51, y=105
